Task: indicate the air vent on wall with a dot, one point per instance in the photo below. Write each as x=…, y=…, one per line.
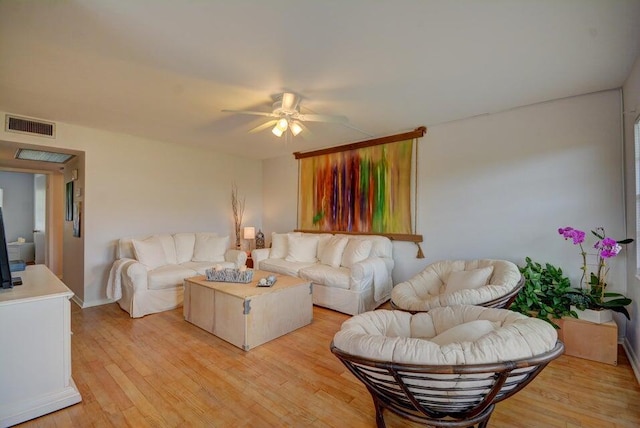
x=25, y=125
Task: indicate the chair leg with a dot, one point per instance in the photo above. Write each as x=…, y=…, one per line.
x=379, y=417
x=484, y=423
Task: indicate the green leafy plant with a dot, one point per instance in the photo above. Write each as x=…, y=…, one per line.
x=545, y=292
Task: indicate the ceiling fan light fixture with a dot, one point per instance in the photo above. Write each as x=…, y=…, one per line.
x=283, y=124
x=296, y=128
x=277, y=131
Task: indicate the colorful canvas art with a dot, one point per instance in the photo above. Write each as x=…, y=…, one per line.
x=361, y=190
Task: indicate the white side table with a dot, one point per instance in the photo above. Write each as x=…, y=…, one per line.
x=24, y=251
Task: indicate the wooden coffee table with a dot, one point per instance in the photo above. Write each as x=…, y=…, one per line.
x=246, y=315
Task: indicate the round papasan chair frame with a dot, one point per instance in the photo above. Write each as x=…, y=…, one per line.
x=447, y=367
x=503, y=301
x=390, y=387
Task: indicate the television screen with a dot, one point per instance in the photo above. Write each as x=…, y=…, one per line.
x=5, y=271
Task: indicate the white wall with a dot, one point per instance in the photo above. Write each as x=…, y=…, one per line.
x=18, y=205
x=499, y=186
x=631, y=91
x=135, y=186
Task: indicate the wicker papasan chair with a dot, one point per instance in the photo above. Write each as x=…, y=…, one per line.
x=482, y=282
x=447, y=367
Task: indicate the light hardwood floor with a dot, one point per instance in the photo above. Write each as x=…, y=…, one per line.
x=161, y=371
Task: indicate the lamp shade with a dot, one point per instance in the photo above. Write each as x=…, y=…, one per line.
x=277, y=131
x=295, y=128
x=249, y=233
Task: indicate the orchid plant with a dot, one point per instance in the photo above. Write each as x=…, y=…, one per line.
x=595, y=296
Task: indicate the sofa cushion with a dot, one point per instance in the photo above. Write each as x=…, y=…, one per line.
x=468, y=279
x=185, y=242
x=209, y=247
x=356, y=251
x=169, y=247
x=201, y=267
x=326, y=275
x=323, y=239
x=168, y=276
x=150, y=252
x=279, y=245
x=332, y=251
x=282, y=266
x=381, y=246
x=302, y=248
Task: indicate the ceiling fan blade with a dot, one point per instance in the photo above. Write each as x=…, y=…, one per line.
x=306, y=133
x=322, y=118
x=255, y=113
x=264, y=126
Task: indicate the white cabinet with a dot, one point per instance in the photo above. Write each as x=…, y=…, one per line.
x=35, y=347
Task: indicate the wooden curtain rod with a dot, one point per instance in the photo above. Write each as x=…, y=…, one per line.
x=393, y=236
x=416, y=133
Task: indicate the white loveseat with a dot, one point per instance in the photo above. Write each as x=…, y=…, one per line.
x=349, y=273
x=148, y=274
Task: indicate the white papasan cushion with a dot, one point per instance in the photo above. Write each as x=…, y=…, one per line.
x=331, y=253
x=302, y=248
x=389, y=336
x=150, y=252
x=426, y=290
x=468, y=279
x=210, y=248
x=466, y=332
x=356, y=251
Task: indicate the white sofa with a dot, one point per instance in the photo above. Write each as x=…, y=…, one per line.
x=349, y=273
x=148, y=274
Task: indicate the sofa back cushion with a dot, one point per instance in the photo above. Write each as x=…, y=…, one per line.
x=332, y=250
x=279, y=245
x=302, y=248
x=209, y=247
x=381, y=246
x=150, y=252
x=356, y=251
x=184, y=242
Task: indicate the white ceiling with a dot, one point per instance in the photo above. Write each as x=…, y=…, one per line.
x=165, y=69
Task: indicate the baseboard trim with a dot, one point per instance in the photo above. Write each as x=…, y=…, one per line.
x=78, y=301
x=33, y=407
x=633, y=358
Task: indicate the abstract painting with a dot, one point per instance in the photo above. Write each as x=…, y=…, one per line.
x=361, y=190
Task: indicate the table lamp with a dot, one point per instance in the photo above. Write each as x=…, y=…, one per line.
x=249, y=233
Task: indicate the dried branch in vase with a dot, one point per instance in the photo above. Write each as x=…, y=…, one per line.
x=238, y=211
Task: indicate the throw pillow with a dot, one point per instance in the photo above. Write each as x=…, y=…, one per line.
x=356, y=251
x=210, y=247
x=332, y=251
x=149, y=252
x=467, y=332
x=184, y=246
x=302, y=248
x=468, y=279
x=279, y=245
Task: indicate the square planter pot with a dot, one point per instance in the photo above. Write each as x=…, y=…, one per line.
x=588, y=340
x=598, y=317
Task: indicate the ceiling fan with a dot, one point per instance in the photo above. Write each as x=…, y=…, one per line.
x=286, y=116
